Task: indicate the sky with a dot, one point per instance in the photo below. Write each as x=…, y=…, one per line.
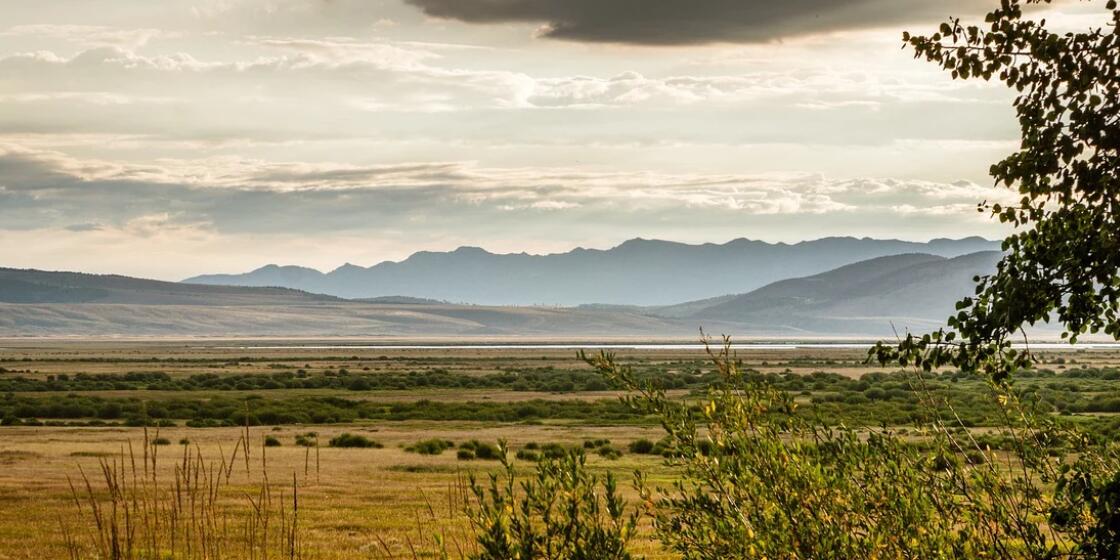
x=173, y=138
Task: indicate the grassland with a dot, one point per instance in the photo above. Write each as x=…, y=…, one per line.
x=387, y=502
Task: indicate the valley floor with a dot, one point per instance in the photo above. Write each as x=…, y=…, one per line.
x=69, y=405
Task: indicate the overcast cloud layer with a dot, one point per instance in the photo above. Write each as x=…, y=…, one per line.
x=168, y=139
x=679, y=22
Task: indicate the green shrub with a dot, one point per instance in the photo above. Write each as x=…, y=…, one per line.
x=528, y=455
x=608, y=452
x=434, y=446
x=464, y=455
x=564, y=513
x=351, y=440
x=309, y=439
x=271, y=441
x=595, y=443
x=759, y=481
x=553, y=451
x=161, y=441
x=480, y=450
x=641, y=447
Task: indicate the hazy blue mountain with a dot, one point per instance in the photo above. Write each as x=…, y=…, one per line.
x=915, y=291
x=637, y=272
x=911, y=291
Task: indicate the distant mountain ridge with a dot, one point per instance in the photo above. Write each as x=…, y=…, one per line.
x=637, y=272
x=870, y=298
x=911, y=291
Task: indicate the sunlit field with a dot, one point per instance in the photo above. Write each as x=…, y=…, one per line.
x=391, y=500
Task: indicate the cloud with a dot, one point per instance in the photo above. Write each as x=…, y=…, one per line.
x=246, y=195
x=286, y=90
x=87, y=35
x=97, y=214
x=78, y=228
x=679, y=22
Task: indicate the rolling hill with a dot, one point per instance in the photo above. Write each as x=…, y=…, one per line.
x=38, y=286
x=908, y=291
x=40, y=303
x=912, y=291
x=637, y=272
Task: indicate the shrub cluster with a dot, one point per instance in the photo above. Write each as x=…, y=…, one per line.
x=474, y=449
x=433, y=446
x=353, y=440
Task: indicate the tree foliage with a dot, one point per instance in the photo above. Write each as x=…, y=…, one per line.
x=1063, y=260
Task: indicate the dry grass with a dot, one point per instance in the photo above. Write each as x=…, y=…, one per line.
x=128, y=511
x=352, y=503
x=358, y=503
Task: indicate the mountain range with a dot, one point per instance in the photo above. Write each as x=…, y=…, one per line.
x=911, y=291
x=869, y=298
x=637, y=272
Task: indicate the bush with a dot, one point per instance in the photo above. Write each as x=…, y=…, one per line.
x=528, y=455
x=641, y=447
x=608, y=452
x=161, y=441
x=271, y=441
x=480, y=450
x=565, y=513
x=434, y=446
x=464, y=455
x=310, y=439
x=351, y=440
x=553, y=451
x=840, y=492
x=595, y=443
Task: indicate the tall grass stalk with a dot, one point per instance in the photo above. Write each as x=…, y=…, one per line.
x=192, y=509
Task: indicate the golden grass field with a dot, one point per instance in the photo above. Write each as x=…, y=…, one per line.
x=353, y=503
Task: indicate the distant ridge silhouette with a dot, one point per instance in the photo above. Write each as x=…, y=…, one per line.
x=637, y=272
x=909, y=291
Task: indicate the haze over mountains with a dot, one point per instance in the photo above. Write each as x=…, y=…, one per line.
x=637, y=272
x=868, y=298
x=38, y=303
x=916, y=291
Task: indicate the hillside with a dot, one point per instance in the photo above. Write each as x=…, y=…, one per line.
x=667, y=273
x=37, y=286
x=915, y=291
x=39, y=303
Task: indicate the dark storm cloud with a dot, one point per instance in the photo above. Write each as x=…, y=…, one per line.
x=679, y=22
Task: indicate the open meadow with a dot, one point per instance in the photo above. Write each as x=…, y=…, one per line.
x=429, y=417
